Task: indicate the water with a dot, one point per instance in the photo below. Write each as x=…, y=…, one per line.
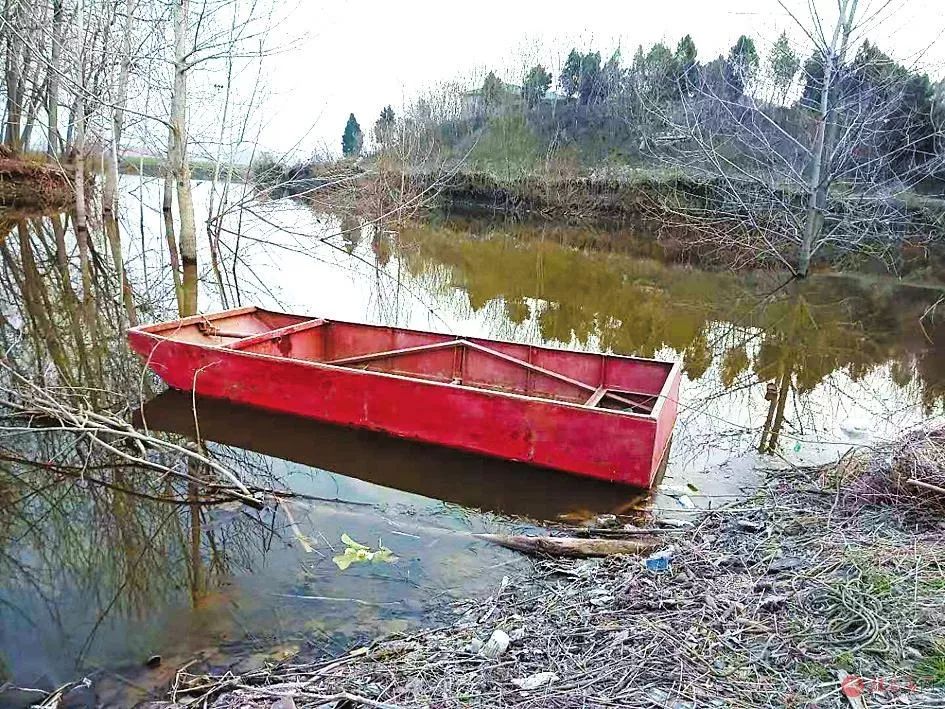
x=95, y=581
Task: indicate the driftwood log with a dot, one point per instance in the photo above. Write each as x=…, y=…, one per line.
x=573, y=547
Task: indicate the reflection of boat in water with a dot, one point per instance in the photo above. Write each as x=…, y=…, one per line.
x=431, y=471
x=595, y=415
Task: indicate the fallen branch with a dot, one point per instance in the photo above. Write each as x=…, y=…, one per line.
x=29, y=403
x=571, y=547
x=926, y=486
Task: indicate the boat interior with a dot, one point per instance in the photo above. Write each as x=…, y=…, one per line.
x=594, y=380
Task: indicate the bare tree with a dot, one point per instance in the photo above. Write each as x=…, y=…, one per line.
x=81, y=220
x=52, y=87
x=179, y=163
x=830, y=175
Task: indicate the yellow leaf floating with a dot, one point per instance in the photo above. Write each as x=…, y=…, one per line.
x=356, y=553
x=349, y=542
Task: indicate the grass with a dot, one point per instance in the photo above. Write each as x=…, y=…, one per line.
x=845, y=660
x=815, y=670
x=935, y=584
x=34, y=157
x=874, y=580
x=931, y=669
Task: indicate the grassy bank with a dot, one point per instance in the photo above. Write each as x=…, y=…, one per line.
x=199, y=169
x=825, y=585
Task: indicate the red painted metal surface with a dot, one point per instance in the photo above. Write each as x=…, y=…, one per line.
x=596, y=415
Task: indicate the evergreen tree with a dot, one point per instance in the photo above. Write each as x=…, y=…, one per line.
x=535, y=85
x=491, y=90
x=813, y=81
x=783, y=63
x=384, y=126
x=686, y=61
x=742, y=64
x=610, y=76
x=589, y=85
x=660, y=71
x=352, y=139
x=570, y=78
x=686, y=51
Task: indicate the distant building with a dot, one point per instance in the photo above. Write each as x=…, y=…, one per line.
x=472, y=102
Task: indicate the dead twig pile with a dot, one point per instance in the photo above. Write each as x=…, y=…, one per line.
x=791, y=599
x=911, y=471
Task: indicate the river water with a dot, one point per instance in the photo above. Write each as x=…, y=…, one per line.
x=94, y=582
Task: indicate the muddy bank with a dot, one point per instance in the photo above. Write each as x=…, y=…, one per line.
x=822, y=588
x=28, y=182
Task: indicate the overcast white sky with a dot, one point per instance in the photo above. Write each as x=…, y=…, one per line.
x=359, y=56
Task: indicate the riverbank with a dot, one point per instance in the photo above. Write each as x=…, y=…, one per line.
x=33, y=182
x=727, y=222
x=822, y=589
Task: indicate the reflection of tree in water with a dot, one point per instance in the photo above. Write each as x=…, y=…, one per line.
x=350, y=232
x=697, y=357
x=734, y=362
x=80, y=522
x=517, y=310
x=642, y=306
x=381, y=246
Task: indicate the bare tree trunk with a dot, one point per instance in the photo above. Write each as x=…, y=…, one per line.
x=110, y=187
x=167, y=211
x=70, y=130
x=118, y=115
x=196, y=560
x=214, y=221
x=81, y=220
x=815, y=218
x=185, y=202
x=13, y=74
x=825, y=137
x=110, y=192
x=62, y=256
x=784, y=389
x=141, y=228
x=113, y=233
x=33, y=105
x=68, y=294
x=52, y=87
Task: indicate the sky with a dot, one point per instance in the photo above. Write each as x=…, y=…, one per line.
x=341, y=57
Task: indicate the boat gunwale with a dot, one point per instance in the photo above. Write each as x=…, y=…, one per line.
x=154, y=332
x=675, y=373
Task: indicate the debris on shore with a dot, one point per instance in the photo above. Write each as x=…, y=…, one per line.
x=912, y=469
x=814, y=592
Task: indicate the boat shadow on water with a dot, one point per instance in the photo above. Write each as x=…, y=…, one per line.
x=432, y=471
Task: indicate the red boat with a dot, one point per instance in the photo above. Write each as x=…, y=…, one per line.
x=596, y=415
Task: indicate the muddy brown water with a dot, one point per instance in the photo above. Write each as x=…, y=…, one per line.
x=94, y=582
